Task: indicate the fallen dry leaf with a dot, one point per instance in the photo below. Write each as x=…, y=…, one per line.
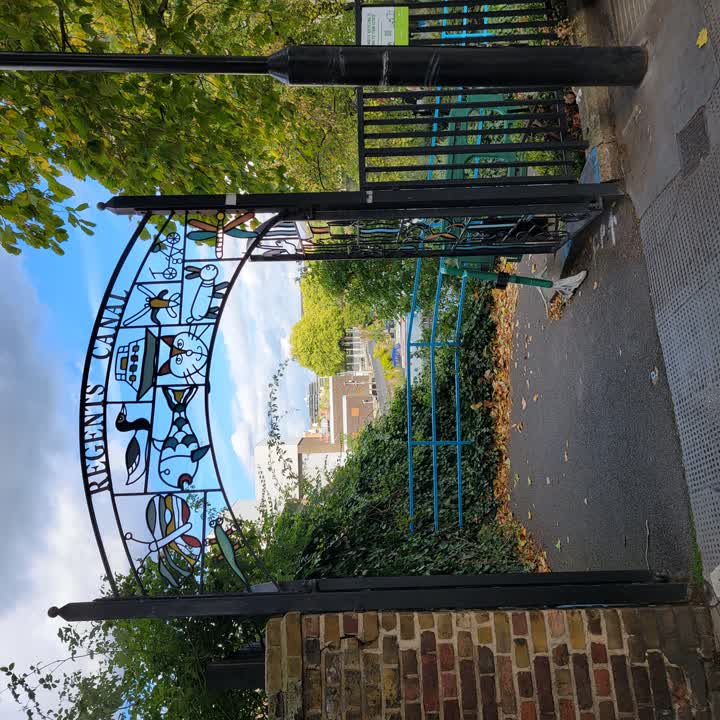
x=523, y=403
x=595, y=285
x=533, y=268
x=536, y=397
x=529, y=482
x=702, y=38
x=529, y=515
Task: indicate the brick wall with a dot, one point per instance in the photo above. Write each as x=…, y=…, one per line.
x=571, y=665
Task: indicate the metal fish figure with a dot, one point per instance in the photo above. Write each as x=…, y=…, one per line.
x=180, y=451
x=202, y=305
x=206, y=231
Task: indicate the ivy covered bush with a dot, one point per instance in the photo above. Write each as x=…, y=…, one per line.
x=358, y=524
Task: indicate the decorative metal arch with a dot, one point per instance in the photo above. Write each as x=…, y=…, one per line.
x=149, y=466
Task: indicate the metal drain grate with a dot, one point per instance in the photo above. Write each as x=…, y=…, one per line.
x=693, y=142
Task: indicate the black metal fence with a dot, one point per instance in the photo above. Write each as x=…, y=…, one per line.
x=468, y=136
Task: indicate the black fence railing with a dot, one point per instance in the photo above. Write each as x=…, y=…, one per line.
x=468, y=136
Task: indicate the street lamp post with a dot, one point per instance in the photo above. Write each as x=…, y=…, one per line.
x=426, y=66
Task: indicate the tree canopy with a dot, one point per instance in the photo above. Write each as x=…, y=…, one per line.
x=315, y=338
x=176, y=134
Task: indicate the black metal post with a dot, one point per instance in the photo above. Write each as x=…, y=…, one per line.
x=427, y=66
x=382, y=203
x=422, y=593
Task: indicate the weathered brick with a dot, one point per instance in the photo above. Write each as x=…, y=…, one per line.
x=525, y=684
x=641, y=684
x=637, y=649
x=333, y=703
x=695, y=672
x=544, y=684
x=486, y=661
x=448, y=684
x=507, y=686
x=333, y=668
x=407, y=626
x=272, y=632
x=602, y=682
x=444, y=626
x=567, y=710
x=355, y=714
x=350, y=623
x=312, y=651
x=465, y=645
x=587, y=716
x=581, y=675
x=598, y=652
x=426, y=620
x=613, y=629
x=522, y=653
x=351, y=652
x=560, y=654
x=703, y=623
x=484, y=635
x=413, y=711
x=293, y=635
x=369, y=629
x=658, y=682
x=502, y=632
x=312, y=691
x=469, y=715
x=390, y=650
x=451, y=710
x=392, y=714
x=537, y=630
x=311, y=626
x=388, y=621
x=446, y=655
x=371, y=668
x=408, y=662
x=623, y=694
x=468, y=690
x=391, y=686
x=649, y=630
x=577, y=629
x=463, y=620
x=430, y=684
x=606, y=710
x=482, y=618
x=556, y=623
x=372, y=702
x=631, y=621
x=273, y=670
x=488, y=698
x=352, y=683
x=685, y=623
x=411, y=689
x=427, y=642
x=594, y=621
x=519, y=623
x=678, y=685
x=563, y=682
x=331, y=631
x=528, y=711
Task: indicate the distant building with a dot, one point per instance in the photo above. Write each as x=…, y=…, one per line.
x=355, y=349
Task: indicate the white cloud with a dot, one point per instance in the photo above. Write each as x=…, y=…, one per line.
x=261, y=310
x=49, y=557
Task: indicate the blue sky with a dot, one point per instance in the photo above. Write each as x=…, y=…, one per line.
x=47, y=308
